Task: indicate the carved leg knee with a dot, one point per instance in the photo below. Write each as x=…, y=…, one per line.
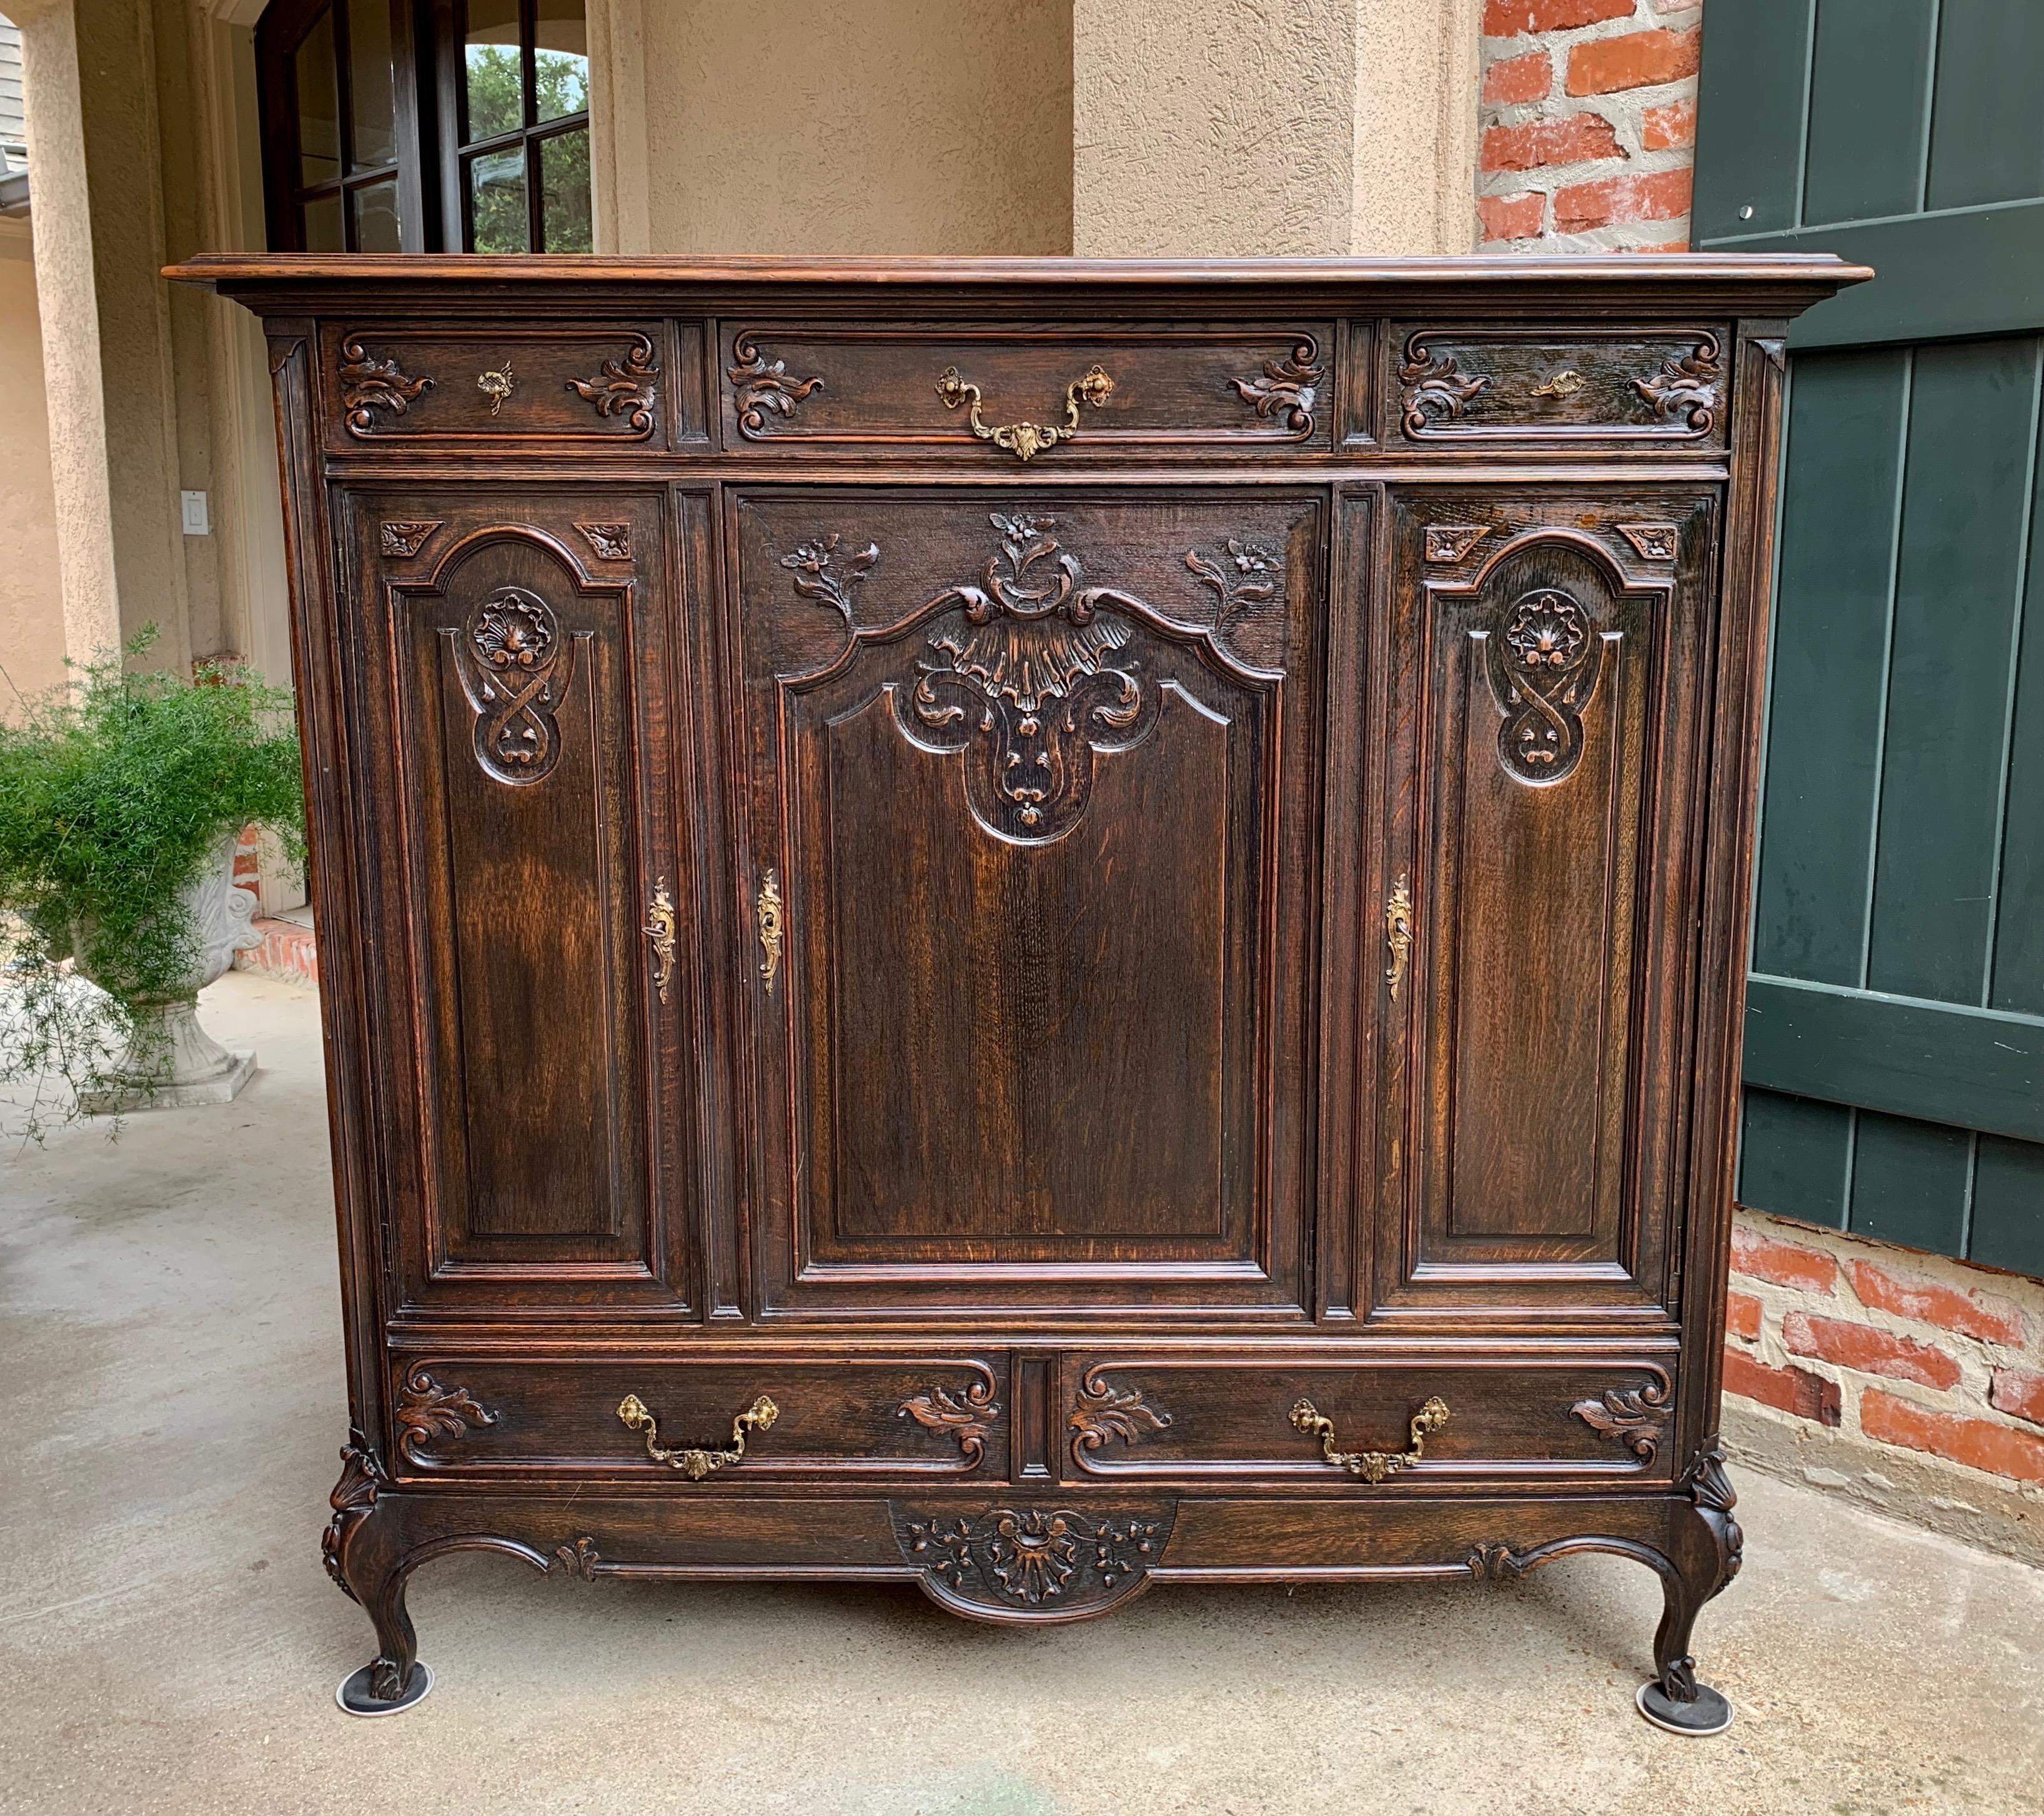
x=1704, y=1553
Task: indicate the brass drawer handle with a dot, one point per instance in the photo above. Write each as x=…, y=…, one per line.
x=1565, y=383
x=1025, y=440
x=695, y=1464
x=1372, y=1465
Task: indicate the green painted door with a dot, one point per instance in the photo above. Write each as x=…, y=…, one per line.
x=1894, y=1027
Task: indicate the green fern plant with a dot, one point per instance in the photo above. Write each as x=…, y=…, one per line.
x=115, y=787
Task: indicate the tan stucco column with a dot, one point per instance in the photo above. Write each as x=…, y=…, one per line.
x=97, y=210
x=1307, y=126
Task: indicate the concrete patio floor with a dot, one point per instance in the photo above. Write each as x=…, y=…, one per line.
x=170, y=1348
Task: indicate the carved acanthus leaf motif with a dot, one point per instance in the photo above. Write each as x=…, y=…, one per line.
x=408, y=538
x=1494, y=1562
x=763, y=386
x=1633, y=1416
x=612, y=542
x=816, y=579
x=579, y=1559
x=1033, y=1557
x=515, y=668
x=426, y=1410
x=1434, y=389
x=1545, y=658
x=969, y=1418
x=1651, y=542
x=1019, y=676
x=1106, y=1411
x=1686, y=387
x=624, y=386
x=1246, y=575
x=1288, y=385
x=1451, y=542
x=353, y=1500
x=369, y=385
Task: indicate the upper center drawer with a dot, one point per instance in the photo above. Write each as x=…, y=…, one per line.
x=1054, y=393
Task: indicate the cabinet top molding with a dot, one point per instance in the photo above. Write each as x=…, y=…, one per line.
x=1771, y=284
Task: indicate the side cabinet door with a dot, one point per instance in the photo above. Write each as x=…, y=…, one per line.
x=512, y=696
x=1032, y=874
x=1548, y=657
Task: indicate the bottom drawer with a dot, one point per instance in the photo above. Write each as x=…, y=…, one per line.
x=823, y=1415
x=1314, y=1419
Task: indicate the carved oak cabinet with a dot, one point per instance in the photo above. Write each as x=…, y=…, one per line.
x=1034, y=925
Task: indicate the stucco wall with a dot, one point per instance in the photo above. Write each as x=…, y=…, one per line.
x=32, y=645
x=1272, y=126
x=823, y=126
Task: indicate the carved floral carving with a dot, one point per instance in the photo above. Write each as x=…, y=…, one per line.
x=1105, y=1411
x=1032, y=1557
x=625, y=387
x=1451, y=542
x=408, y=539
x=1247, y=574
x=1685, y=389
x=1633, y=1416
x=1544, y=661
x=612, y=542
x=1434, y=389
x=1651, y=542
x=1288, y=387
x=1495, y=1563
x=515, y=668
x=764, y=387
x=578, y=1560
x=369, y=385
x=816, y=578
x=426, y=1410
x=968, y=1418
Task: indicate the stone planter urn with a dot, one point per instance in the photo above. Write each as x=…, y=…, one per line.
x=172, y=1060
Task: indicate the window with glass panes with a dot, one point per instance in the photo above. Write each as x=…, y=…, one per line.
x=426, y=126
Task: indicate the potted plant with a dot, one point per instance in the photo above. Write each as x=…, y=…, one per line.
x=123, y=793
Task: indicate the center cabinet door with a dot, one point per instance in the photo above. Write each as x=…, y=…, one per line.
x=1032, y=786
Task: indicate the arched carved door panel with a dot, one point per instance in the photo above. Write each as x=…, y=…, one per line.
x=1031, y=788
x=1549, y=668
x=519, y=733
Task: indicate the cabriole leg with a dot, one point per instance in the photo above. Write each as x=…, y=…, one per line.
x=363, y=1558
x=1705, y=1549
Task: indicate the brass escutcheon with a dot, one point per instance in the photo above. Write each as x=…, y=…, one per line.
x=768, y=908
x=495, y=385
x=1372, y=1465
x=1025, y=440
x=695, y=1463
x=659, y=928
x=1398, y=934
x=1565, y=383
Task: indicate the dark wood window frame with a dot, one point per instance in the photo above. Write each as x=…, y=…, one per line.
x=427, y=40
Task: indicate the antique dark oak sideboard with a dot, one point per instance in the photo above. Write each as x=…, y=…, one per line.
x=1034, y=925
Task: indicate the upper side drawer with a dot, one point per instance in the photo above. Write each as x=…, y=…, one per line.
x=595, y=386
x=1083, y=391
x=1450, y=386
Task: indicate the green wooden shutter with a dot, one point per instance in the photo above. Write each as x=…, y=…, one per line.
x=1895, y=1023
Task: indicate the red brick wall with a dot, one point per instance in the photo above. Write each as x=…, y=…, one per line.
x=1903, y=1353
x=1588, y=124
